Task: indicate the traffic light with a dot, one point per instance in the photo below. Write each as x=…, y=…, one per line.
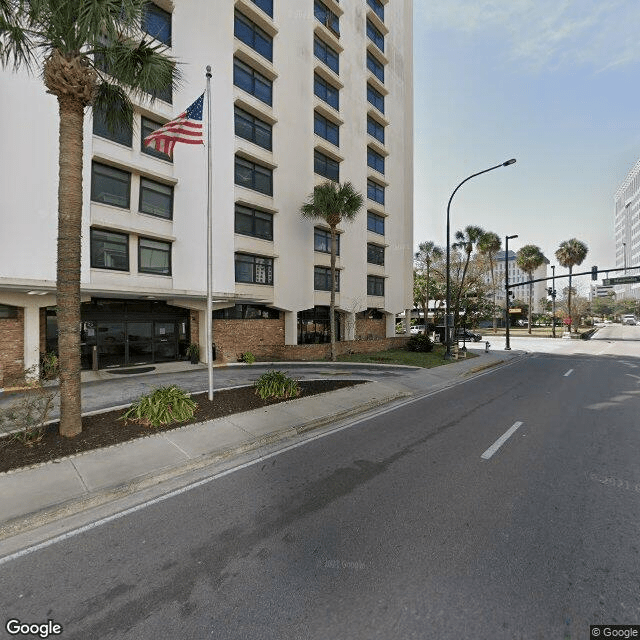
x=594, y=273
x=549, y=291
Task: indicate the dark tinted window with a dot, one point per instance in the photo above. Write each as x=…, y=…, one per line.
x=252, y=222
x=325, y=53
x=154, y=256
x=322, y=279
x=375, y=160
x=252, y=82
x=110, y=185
x=375, y=129
x=253, y=176
x=375, y=36
x=251, y=34
x=249, y=127
x=375, y=223
x=122, y=134
x=375, y=286
x=375, y=254
x=254, y=269
x=375, y=98
x=326, y=166
x=109, y=250
x=326, y=17
x=156, y=198
x=375, y=191
x=322, y=241
x=326, y=91
x=326, y=129
x=147, y=128
x=157, y=23
x=375, y=66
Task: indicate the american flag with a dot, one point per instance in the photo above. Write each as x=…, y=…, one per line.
x=187, y=128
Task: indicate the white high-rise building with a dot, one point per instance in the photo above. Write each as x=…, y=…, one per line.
x=302, y=91
x=516, y=276
x=627, y=232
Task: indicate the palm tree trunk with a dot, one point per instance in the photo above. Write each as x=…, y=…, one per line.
x=332, y=304
x=68, y=266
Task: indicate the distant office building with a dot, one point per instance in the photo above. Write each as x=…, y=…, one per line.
x=517, y=275
x=600, y=291
x=627, y=231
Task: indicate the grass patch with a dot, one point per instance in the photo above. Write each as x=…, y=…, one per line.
x=429, y=360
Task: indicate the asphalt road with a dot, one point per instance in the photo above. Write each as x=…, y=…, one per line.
x=396, y=527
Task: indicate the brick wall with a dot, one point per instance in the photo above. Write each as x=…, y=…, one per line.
x=194, y=328
x=367, y=328
x=11, y=348
x=263, y=338
x=43, y=330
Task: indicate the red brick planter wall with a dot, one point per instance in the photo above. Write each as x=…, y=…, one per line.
x=11, y=348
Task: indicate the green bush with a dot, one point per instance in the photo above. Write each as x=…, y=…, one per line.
x=247, y=357
x=165, y=405
x=49, y=366
x=420, y=342
x=276, y=384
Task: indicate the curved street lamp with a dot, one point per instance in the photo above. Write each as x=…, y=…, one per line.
x=447, y=333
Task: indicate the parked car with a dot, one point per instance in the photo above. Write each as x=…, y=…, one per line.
x=416, y=329
x=629, y=319
x=466, y=334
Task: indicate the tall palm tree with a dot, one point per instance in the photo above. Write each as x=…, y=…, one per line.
x=570, y=254
x=332, y=203
x=529, y=258
x=427, y=253
x=489, y=244
x=466, y=240
x=73, y=42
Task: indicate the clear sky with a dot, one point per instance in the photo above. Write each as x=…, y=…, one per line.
x=552, y=83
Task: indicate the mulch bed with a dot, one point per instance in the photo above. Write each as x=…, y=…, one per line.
x=104, y=429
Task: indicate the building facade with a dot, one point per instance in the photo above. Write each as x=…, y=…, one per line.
x=627, y=232
x=302, y=92
x=517, y=275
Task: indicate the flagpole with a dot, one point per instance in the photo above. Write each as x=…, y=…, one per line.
x=209, y=242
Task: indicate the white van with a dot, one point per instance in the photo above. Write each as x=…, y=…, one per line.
x=629, y=318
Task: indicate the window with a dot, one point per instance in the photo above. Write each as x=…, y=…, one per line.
x=326, y=17
x=375, y=223
x=375, y=98
x=154, y=257
x=252, y=82
x=123, y=134
x=322, y=279
x=375, y=36
x=375, y=160
x=375, y=67
x=375, y=254
x=326, y=129
x=325, y=166
x=375, y=129
x=253, y=129
x=325, y=53
x=110, y=185
x=7, y=311
x=254, y=269
x=109, y=250
x=322, y=241
x=246, y=312
x=252, y=222
x=253, y=176
x=313, y=325
x=265, y=5
x=156, y=199
x=147, y=128
x=157, y=23
x=165, y=94
x=252, y=35
x=378, y=8
x=375, y=191
x=326, y=92
x=375, y=286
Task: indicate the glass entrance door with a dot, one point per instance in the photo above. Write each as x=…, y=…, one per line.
x=140, y=342
x=111, y=344
x=165, y=341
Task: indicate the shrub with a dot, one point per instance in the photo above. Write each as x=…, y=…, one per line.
x=163, y=406
x=247, y=357
x=49, y=366
x=420, y=342
x=276, y=384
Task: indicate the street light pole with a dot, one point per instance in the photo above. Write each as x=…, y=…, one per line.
x=507, y=319
x=553, y=300
x=447, y=315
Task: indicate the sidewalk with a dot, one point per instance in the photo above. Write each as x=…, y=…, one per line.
x=41, y=494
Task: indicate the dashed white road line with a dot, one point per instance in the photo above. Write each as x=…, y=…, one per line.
x=568, y=373
x=500, y=441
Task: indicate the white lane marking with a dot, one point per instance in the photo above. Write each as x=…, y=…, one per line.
x=568, y=373
x=342, y=426
x=500, y=441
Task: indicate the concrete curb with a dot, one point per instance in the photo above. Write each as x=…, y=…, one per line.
x=100, y=497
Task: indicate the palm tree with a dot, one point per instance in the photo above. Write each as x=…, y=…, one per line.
x=73, y=42
x=466, y=240
x=570, y=254
x=529, y=258
x=332, y=203
x=427, y=253
x=489, y=244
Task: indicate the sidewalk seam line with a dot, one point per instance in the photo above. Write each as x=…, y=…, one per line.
x=86, y=488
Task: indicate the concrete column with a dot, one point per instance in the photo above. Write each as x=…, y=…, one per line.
x=32, y=340
x=390, y=320
x=349, y=325
x=290, y=327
